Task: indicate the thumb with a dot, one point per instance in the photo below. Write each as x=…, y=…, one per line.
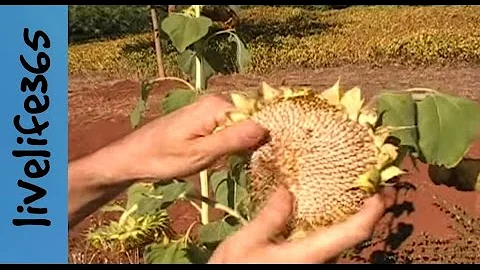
x=273, y=218
x=329, y=242
x=236, y=138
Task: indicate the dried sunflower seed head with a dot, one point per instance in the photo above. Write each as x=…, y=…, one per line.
x=324, y=147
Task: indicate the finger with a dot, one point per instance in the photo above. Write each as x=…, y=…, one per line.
x=272, y=219
x=211, y=110
x=215, y=106
x=236, y=138
x=330, y=242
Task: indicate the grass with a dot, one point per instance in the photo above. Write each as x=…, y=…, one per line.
x=287, y=37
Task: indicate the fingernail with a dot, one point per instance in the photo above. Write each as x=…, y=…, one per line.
x=256, y=132
x=284, y=196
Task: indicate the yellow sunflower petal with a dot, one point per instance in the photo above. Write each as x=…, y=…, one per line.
x=368, y=181
x=332, y=94
x=268, y=92
x=352, y=102
x=367, y=118
x=388, y=154
x=287, y=92
x=391, y=172
x=236, y=116
x=380, y=136
x=243, y=103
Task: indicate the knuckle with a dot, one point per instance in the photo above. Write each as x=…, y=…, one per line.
x=212, y=99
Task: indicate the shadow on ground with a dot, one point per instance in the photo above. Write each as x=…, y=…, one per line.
x=396, y=234
x=464, y=177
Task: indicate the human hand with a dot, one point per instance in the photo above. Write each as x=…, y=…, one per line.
x=253, y=244
x=181, y=143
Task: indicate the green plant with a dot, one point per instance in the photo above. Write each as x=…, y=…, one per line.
x=191, y=33
x=137, y=225
x=423, y=121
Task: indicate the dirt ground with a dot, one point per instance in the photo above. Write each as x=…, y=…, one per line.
x=424, y=222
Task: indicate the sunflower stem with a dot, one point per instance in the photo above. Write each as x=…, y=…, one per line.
x=203, y=174
x=204, y=192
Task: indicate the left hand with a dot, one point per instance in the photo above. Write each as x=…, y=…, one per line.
x=182, y=143
x=174, y=146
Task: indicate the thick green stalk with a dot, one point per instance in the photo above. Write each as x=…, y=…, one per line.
x=198, y=66
x=203, y=174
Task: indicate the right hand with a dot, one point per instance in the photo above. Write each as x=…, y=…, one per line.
x=252, y=243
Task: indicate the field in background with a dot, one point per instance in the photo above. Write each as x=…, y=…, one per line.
x=376, y=48
x=288, y=38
